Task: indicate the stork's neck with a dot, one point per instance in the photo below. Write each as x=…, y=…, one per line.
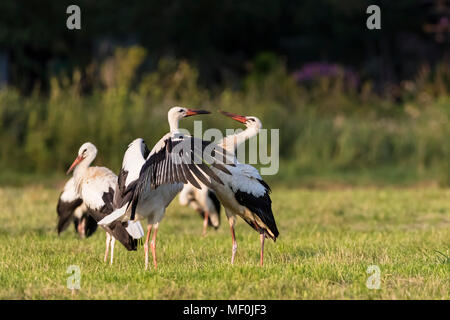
x=231, y=142
x=80, y=172
x=173, y=124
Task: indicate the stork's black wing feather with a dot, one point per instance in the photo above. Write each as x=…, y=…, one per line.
x=181, y=159
x=123, y=193
x=261, y=206
x=265, y=185
x=65, y=211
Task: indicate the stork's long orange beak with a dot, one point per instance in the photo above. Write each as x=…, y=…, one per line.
x=75, y=163
x=193, y=112
x=233, y=116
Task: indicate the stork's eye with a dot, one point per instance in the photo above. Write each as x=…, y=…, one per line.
x=84, y=151
x=250, y=119
x=181, y=110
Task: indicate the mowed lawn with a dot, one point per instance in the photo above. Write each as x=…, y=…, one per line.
x=328, y=239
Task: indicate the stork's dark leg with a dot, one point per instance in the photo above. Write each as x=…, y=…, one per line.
x=149, y=231
x=262, y=236
x=153, y=246
x=205, y=223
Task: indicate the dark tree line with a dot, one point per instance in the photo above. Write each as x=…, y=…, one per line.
x=220, y=37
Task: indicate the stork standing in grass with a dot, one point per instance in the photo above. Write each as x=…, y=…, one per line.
x=244, y=193
x=71, y=208
x=148, y=182
x=204, y=201
x=95, y=186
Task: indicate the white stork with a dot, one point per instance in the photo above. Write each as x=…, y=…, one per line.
x=71, y=208
x=204, y=201
x=148, y=182
x=96, y=186
x=244, y=192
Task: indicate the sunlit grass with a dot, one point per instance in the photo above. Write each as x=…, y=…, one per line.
x=327, y=240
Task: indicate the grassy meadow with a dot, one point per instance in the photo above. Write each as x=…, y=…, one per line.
x=328, y=239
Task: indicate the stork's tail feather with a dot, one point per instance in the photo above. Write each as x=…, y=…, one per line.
x=113, y=216
x=118, y=231
x=91, y=225
x=272, y=236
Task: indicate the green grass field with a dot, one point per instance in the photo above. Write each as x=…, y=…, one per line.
x=328, y=238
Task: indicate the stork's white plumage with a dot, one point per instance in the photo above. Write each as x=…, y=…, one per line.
x=244, y=193
x=149, y=181
x=204, y=201
x=71, y=208
x=96, y=186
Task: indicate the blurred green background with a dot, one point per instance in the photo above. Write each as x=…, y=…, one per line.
x=354, y=106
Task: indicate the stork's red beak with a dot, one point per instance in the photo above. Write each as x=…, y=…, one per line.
x=192, y=112
x=233, y=116
x=75, y=163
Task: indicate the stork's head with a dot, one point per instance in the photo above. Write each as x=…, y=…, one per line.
x=175, y=114
x=250, y=121
x=86, y=154
x=179, y=112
